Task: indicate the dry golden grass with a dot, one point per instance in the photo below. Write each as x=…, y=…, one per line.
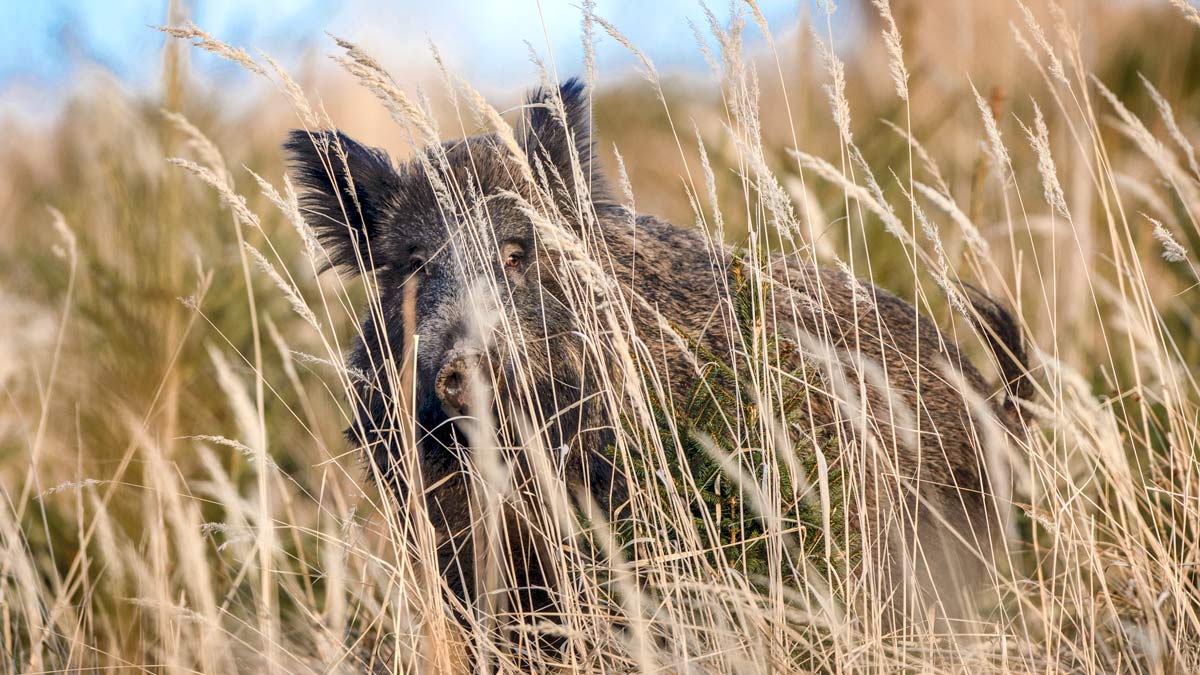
x=178, y=495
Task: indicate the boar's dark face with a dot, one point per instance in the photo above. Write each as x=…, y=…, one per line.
x=462, y=273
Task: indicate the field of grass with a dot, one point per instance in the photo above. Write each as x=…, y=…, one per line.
x=177, y=493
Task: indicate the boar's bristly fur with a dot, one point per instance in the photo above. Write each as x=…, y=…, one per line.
x=459, y=259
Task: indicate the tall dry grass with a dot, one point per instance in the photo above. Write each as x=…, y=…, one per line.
x=178, y=495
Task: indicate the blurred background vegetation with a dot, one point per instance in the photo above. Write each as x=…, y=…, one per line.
x=143, y=227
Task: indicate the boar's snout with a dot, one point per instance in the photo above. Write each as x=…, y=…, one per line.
x=461, y=381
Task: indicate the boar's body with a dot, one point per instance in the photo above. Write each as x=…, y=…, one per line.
x=901, y=405
x=924, y=502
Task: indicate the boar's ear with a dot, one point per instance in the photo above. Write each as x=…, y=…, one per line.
x=552, y=141
x=344, y=188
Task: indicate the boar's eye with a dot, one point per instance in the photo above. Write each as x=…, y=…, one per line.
x=513, y=255
x=415, y=260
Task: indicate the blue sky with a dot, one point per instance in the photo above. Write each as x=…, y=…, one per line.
x=46, y=44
